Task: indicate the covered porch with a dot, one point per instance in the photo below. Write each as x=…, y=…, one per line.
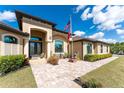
x=37, y=43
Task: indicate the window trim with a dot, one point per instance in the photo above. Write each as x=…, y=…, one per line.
x=18, y=39
x=91, y=48
x=9, y=36
x=36, y=37
x=101, y=48
x=107, y=49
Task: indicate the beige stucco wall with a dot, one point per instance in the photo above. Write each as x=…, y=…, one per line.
x=28, y=24
x=104, y=48
x=81, y=48
x=59, y=36
x=10, y=49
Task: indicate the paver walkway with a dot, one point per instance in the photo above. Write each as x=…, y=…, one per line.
x=62, y=75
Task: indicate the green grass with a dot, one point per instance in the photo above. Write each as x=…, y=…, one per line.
x=22, y=78
x=109, y=75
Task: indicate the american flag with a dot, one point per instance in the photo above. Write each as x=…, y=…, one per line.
x=67, y=26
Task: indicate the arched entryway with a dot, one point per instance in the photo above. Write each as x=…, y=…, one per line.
x=37, y=43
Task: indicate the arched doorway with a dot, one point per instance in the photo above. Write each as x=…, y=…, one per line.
x=37, y=43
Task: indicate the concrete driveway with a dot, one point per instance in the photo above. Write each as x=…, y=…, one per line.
x=62, y=75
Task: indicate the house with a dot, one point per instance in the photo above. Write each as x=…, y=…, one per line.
x=84, y=46
x=37, y=36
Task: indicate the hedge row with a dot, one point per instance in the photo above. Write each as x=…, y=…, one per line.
x=11, y=63
x=96, y=57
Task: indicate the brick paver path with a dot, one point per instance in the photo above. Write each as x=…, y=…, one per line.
x=62, y=75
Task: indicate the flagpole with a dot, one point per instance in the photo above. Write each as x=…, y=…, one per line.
x=71, y=34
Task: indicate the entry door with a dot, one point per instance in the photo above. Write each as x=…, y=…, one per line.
x=35, y=48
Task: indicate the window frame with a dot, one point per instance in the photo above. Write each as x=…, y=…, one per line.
x=107, y=49
x=55, y=46
x=10, y=36
x=101, y=48
x=91, y=46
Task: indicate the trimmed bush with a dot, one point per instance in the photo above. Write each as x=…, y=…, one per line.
x=11, y=63
x=96, y=57
x=53, y=60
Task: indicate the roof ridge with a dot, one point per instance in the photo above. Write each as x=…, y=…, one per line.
x=7, y=27
x=20, y=14
x=3, y=23
x=90, y=39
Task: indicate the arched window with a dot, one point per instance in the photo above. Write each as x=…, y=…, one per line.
x=10, y=39
x=59, y=44
x=34, y=38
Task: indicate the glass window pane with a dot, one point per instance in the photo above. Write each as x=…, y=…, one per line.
x=59, y=46
x=36, y=38
x=101, y=48
x=89, y=48
x=10, y=39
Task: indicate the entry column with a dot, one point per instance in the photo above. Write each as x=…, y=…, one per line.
x=49, y=49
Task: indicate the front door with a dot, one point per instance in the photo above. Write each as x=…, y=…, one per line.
x=35, y=48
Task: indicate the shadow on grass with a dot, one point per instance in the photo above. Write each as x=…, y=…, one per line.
x=92, y=83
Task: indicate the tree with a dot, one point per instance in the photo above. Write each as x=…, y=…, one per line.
x=117, y=48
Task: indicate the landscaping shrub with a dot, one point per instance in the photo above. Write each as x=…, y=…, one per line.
x=11, y=63
x=53, y=60
x=92, y=83
x=26, y=62
x=96, y=57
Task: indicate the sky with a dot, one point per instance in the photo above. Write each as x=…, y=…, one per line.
x=101, y=22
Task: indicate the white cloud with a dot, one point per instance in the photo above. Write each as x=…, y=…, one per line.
x=80, y=7
x=79, y=33
x=120, y=31
x=108, y=19
x=98, y=8
x=85, y=15
x=98, y=35
x=7, y=16
x=99, y=18
x=108, y=40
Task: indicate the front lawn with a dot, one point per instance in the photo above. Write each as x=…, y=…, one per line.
x=22, y=78
x=109, y=75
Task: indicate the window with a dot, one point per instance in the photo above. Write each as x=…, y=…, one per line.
x=89, y=48
x=101, y=48
x=10, y=39
x=33, y=38
x=107, y=49
x=59, y=44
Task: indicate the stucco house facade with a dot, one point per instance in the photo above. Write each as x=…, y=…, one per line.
x=84, y=46
x=37, y=36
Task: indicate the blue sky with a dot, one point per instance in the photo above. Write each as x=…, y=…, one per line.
x=99, y=22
